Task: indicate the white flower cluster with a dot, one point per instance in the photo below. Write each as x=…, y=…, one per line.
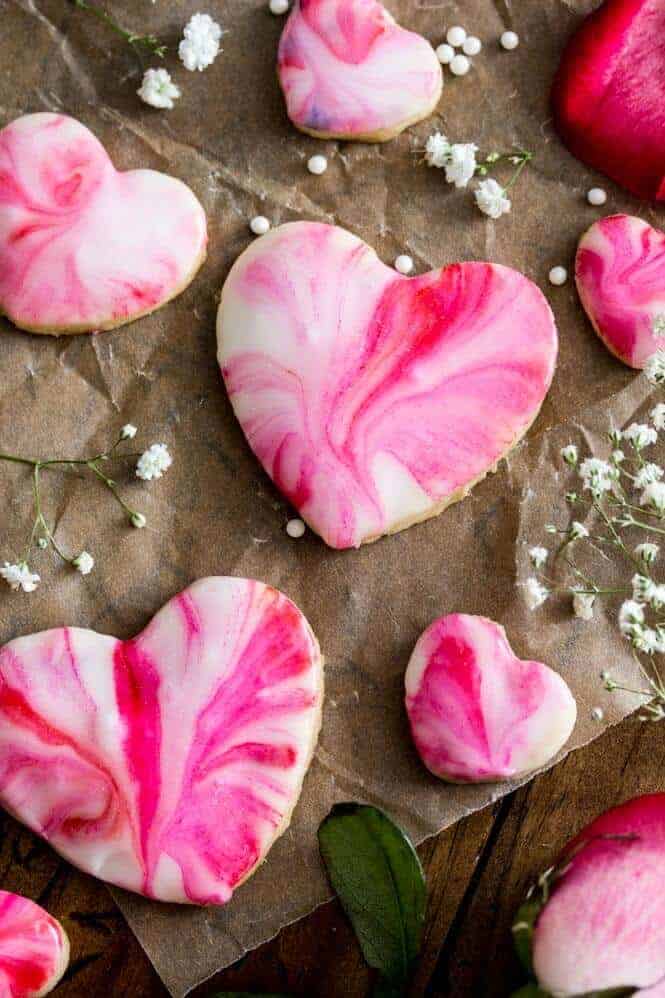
x=458, y=159
x=198, y=49
x=19, y=576
x=633, y=626
x=153, y=462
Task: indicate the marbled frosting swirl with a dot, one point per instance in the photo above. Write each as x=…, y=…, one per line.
x=34, y=948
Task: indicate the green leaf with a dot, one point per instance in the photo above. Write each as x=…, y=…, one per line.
x=523, y=927
x=376, y=872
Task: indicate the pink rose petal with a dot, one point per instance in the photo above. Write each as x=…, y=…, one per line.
x=348, y=71
x=477, y=712
x=170, y=763
x=83, y=247
x=371, y=399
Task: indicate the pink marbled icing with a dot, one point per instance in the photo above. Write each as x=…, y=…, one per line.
x=370, y=398
x=347, y=70
x=167, y=764
x=34, y=950
x=82, y=246
x=620, y=274
x=478, y=713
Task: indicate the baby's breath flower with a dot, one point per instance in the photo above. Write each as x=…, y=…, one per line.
x=571, y=497
x=437, y=149
x=577, y=530
x=615, y=436
x=631, y=617
x=657, y=597
x=647, y=641
x=551, y=528
x=19, y=576
x=536, y=593
x=657, y=415
x=583, y=605
x=597, y=476
x=128, y=432
x=158, y=89
x=654, y=369
x=640, y=435
x=648, y=474
x=617, y=456
x=461, y=163
x=138, y=520
x=647, y=552
x=491, y=198
x=654, y=496
x=538, y=556
x=642, y=588
x=154, y=462
x=200, y=45
x=569, y=454
x=84, y=563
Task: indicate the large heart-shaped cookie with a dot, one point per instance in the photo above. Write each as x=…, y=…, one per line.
x=349, y=72
x=34, y=948
x=620, y=275
x=609, y=94
x=170, y=763
x=479, y=713
x=82, y=246
x=375, y=400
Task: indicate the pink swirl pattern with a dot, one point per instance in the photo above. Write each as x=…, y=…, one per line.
x=82, y=246
x=603, y=927
x=620, y=275
x=374, y=400
x=348, y=71
x=478, y=713
x=170, y=763
x=34, y=949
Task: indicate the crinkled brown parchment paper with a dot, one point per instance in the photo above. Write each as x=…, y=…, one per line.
x=216, y=512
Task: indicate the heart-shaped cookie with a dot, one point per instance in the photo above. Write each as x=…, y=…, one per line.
x=170, y=763
x=34, y=948
x=374, y=400
x=609, y=94
x=82, y=246
x=620, y=275
x=478, y=713
x=348, y=71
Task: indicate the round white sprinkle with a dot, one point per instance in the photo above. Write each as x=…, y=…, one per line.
x=279, y=6
x=259, y=225
x=404, y=264
x=445, y=54
x=455, y=36
x=295, y=528
x=558, y=275
x=460, y=65
x=509, y=40
x=597, y=196
x=472, y=45
x=317, y=165
x=597, y=714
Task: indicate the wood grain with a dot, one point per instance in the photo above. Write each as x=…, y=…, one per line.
x=477, y=873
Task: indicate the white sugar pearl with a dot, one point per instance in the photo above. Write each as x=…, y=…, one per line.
x=259, y=225
x=597, y=713
x=317, y=165
x=445, y=54
x=597, y=196
x=404, y=264
x=460, y=65
x=455, y=36
x=295, y=528
x=558, y=275
x=472, y=45
x=509, y=40
x=279, y=6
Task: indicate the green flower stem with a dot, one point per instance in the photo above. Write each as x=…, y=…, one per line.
x=137, y=42
x=112, y=487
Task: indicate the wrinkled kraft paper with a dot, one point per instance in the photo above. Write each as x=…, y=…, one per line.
x=216, y=512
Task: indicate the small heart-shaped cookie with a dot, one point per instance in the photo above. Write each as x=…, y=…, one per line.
x=349, y=72
x=34, y=948
x=170, y=763
x=620, y=275
x=82, y=246
x=609, y=94
x=374, y=400
x=478, y=713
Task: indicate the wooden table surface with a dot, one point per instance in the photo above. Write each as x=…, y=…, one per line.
x=477, y=873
